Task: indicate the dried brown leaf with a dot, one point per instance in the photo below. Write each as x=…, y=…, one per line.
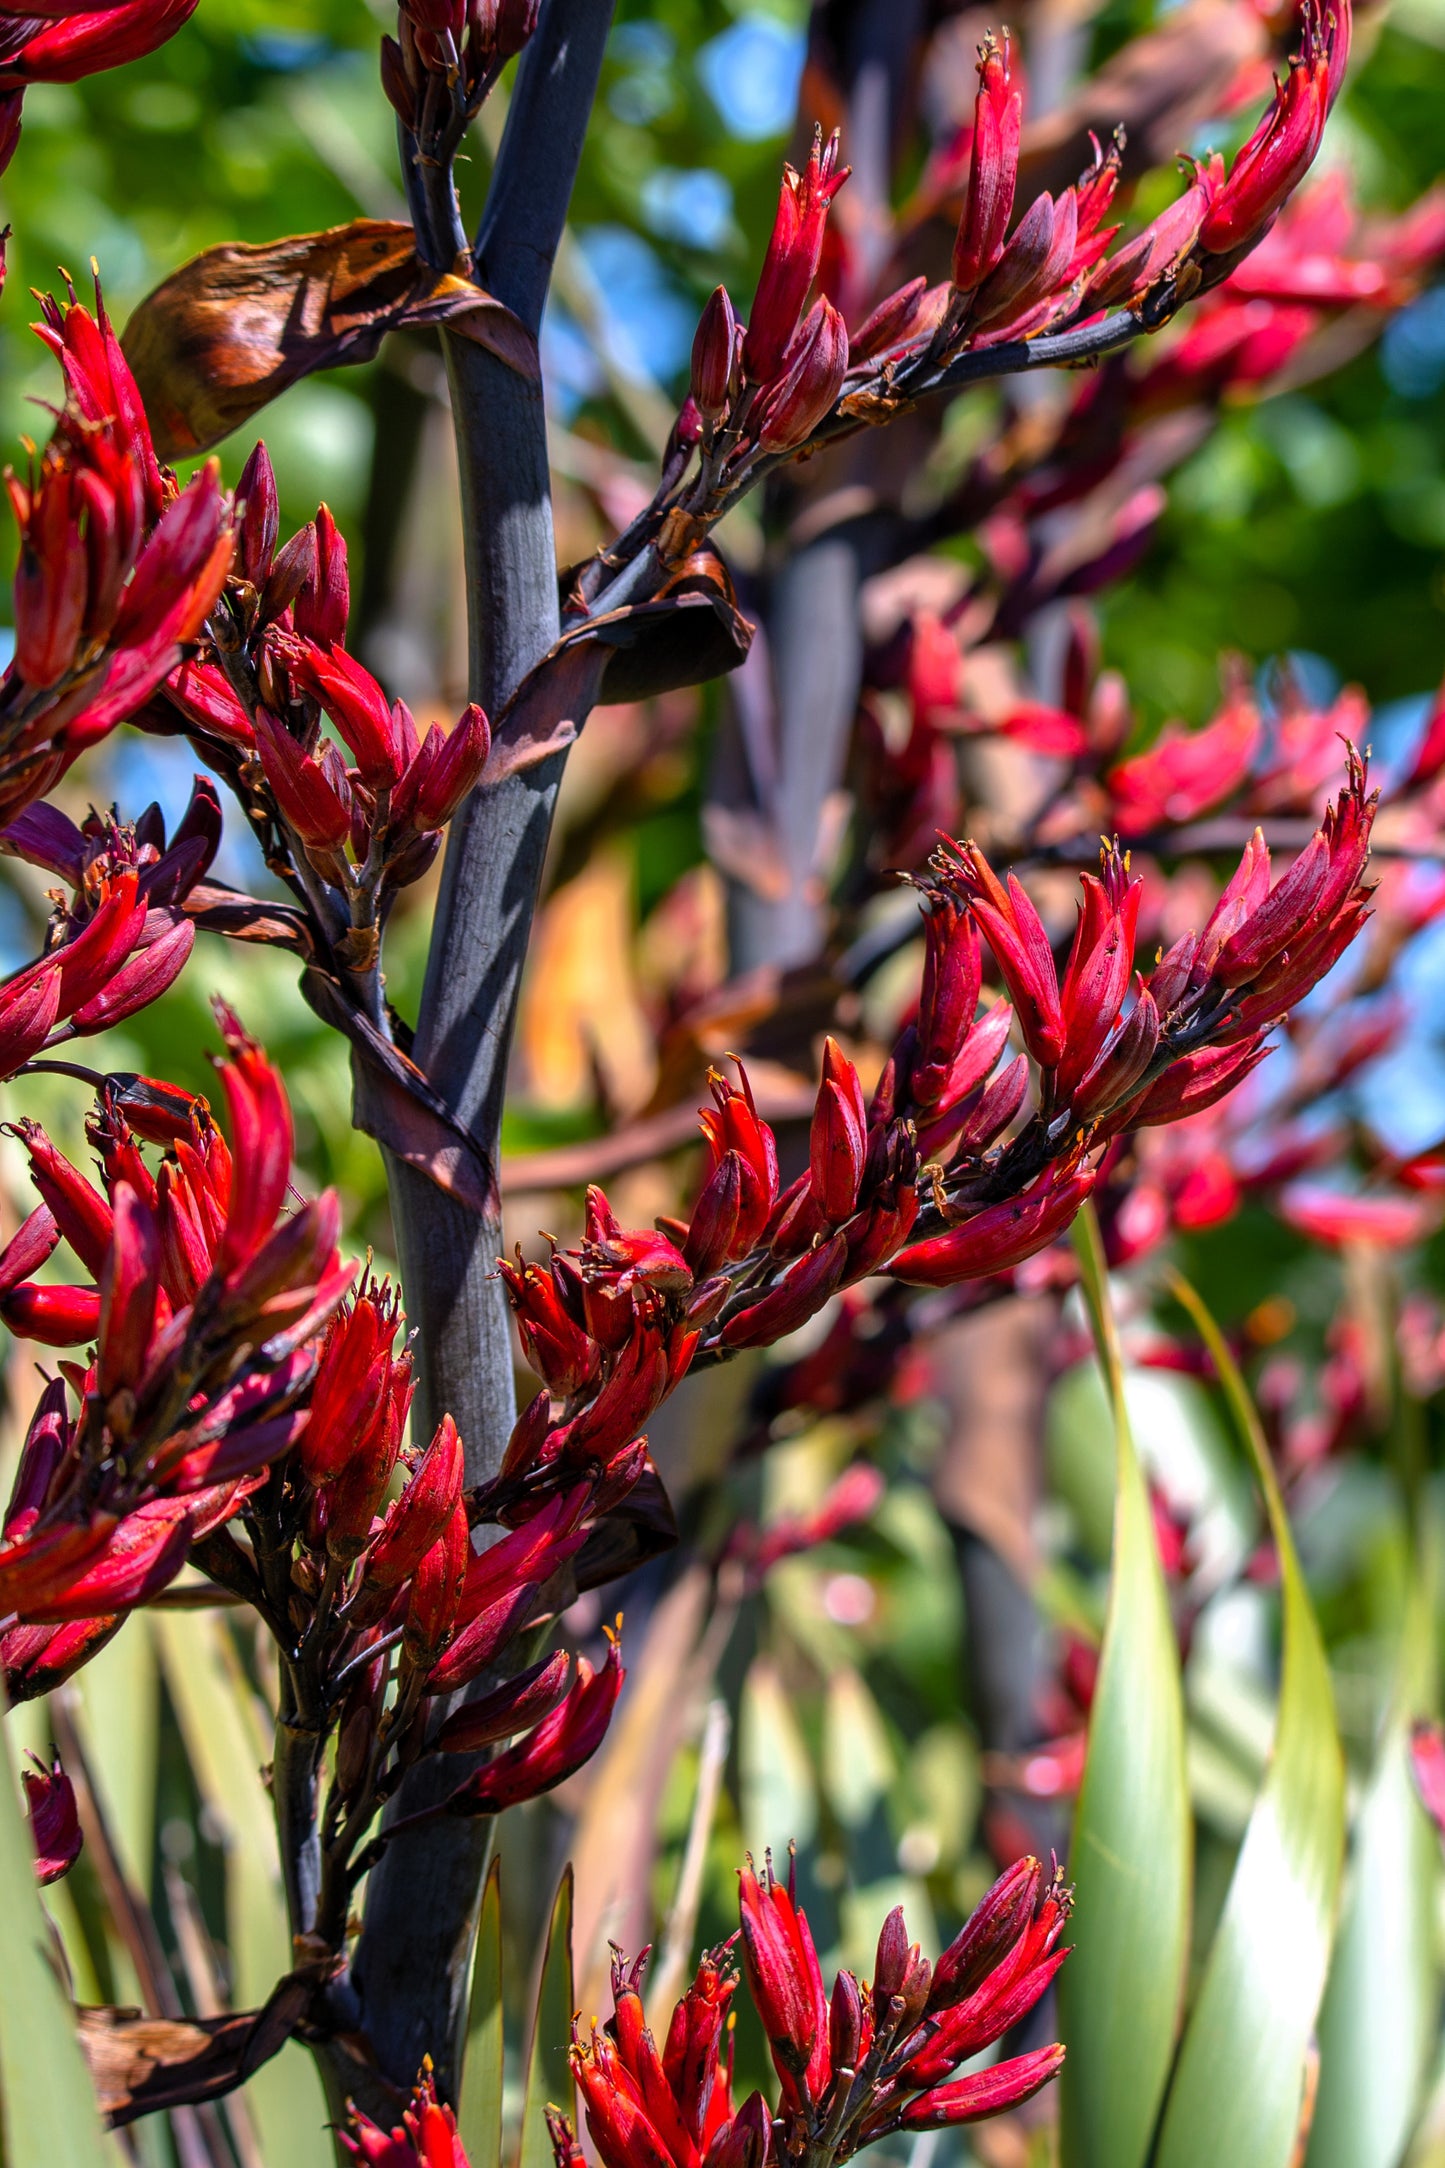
x=141, y=2064
x=231, y=329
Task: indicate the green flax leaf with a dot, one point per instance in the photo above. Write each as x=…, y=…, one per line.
x=47, y=2109
x=1119, y=1993
x=479, y=2115
x=1239, y=2086
x=1377, y=2027
x=549, y=2074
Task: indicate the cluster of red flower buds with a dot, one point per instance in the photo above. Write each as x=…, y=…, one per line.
x=447, y=55
x=202, y=1298
x=366, y=1579
x=349, y=829
x=866, y=2062
x=121, y=936
x=59, y=41
x=766, y=387
x=118, y=566
x=426, y=2136
x=1055, y=266
x=612, y=1325
x=233, y=1374
x=1193, y=1030
x=774, y=379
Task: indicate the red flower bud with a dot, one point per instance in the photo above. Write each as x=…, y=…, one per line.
x=85, y=42
x=43, y=1455
x=948, y=998
x=178, y=577
x=999, y=1236
x=799, y=1295
x=28, y=1248
x=791, y=263
x=516, y=1705
x=141, y=979
x=481, y=1640
x=1035, y=263
x=138, y=1559
x=360, y=710
x=967, y=2100
x=838, y=1140
x=51, y=579
x=81, y=1214
x=993, y=169
x=715, y=355
x=445, y=771
x=998, y=1103
x=1189, y=1085
x=261, y=1141
x=1100, y=964
x=56, y=1316
x=1119, y=1068
x=1281, y=150
x=29, y=1007
x=37, y=1659
x=557, y=1348
x=813, y=371
x=786, y=1983
x=734, y=1125
x=356, y=1494
x=129, y=1292
x=54, y=1822
x=323, y=599
x=352, y=1382
x=904, y=319
x=426, y=2136
x=316, y=805
x=531, y=1553
x=712, y=1237
x=561, y=1743
x=260, y=509
x=1015, y=933
x=416, y=1520
x=436, y=1590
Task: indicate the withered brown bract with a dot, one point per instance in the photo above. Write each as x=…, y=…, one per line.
x=240, y=323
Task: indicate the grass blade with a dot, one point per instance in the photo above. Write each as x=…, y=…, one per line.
x=549, y=2074
x=479, y=2114
x=1239, y=2085
x=1130, y=1859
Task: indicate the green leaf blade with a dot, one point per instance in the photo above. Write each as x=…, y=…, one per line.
x=1119, y=1993
x=479, y=2112
x=1238, y=2089
x=549, y=2073
x=1377, y=2026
